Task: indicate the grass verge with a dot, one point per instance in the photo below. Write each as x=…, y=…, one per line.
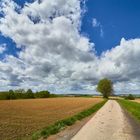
x=132, y=107
x=60, y=125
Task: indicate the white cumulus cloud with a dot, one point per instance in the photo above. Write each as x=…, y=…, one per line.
x=55, y=56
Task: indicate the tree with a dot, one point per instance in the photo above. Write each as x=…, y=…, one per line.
x=130, y=97
x=42, y=94
x=20, y=93
x=29, y=94
x=11, y=94
x=105, y=86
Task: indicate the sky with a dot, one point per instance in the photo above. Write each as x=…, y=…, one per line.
x=68, y=46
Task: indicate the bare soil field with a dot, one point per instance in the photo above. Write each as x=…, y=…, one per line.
x=20, y=118
x=136, y=100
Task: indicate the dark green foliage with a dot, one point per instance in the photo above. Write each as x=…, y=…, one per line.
x=105, y=86
x=7, y=95
x=4, y=95
x=22, y=94
x=132, y=107
x=42, y=94
x=70, y=121
x=53, y=95
x=29, y=94
x=58, y=126
x=130, y=97
x=11, y=95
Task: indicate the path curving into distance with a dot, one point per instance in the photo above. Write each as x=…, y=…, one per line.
x=109, y=123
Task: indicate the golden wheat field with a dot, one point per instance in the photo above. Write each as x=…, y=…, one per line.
x=20, y=118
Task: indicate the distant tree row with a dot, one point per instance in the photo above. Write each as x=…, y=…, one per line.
x=22, y=94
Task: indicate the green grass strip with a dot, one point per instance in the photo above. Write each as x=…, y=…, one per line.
x=60, y=125
x=132, y=107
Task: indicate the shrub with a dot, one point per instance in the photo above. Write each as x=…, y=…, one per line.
x=29, y=94
x=4, y=95
x=22, y=94
x=130, y=97
x=11, y=95
x=42, y=94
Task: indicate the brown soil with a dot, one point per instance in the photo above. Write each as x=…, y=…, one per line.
x=20, y=118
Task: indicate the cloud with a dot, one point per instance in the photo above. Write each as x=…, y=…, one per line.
x=2, y=48
x=101, y=32
x=55, y=56
x=51, y=45
x=95, y=24
x=124, y=59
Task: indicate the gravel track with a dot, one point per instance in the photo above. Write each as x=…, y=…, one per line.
x=110, y=123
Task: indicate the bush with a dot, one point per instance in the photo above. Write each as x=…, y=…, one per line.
x=12, y=94
x=29, y=94
x=22, y=94
x=4, y=95
x=130, y=97
x=42, y=94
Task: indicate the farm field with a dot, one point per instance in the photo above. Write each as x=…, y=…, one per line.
x=136, y=100
x=20, y=118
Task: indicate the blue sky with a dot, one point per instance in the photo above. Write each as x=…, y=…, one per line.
x=57, y=52
x=119, y=18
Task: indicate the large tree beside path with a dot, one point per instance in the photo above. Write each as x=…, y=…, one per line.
x=105, y=86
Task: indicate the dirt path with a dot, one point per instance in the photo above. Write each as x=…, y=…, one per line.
x=110, y=123
x=70, y=131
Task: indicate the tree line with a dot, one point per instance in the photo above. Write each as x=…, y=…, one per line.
x=22, y=94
